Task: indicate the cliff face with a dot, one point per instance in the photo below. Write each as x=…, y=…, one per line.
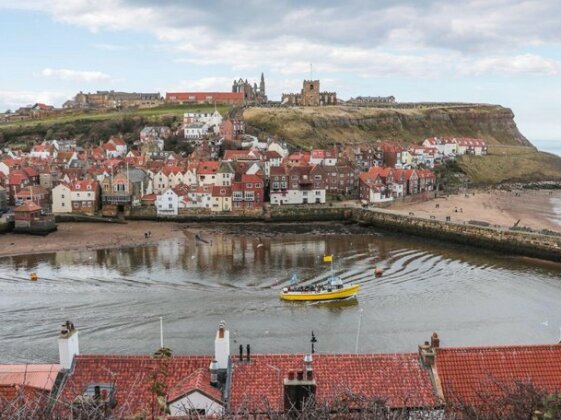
x=402, y=123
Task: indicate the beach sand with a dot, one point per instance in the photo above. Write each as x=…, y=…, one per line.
x=535, y=209
x=86, y=236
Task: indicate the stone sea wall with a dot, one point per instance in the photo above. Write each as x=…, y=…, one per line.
x=512, y=242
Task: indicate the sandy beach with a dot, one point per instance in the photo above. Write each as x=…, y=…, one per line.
x=86, y=236
x=535, y=209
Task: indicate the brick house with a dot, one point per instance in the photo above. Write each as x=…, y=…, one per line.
x=232, y=129
x=248, y=192
x=297, y=185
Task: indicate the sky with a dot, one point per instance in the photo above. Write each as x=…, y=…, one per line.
x=505, y=52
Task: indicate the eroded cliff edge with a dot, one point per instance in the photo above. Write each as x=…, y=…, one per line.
x=403, y=123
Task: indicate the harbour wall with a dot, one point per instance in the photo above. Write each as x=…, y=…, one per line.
x=528, y=244
x=498, y=239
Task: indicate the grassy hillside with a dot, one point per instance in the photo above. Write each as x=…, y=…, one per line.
x=93, y=127
x=511, y=164
x=405, y=123
x=149, y=113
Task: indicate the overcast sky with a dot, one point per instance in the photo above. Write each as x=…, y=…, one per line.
x=493, y=51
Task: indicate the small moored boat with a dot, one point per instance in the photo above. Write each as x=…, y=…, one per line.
x=333, y=289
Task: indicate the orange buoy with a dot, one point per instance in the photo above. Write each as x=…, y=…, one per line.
x=33, y=276
x=378, y=271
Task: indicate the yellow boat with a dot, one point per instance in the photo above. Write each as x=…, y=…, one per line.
x=332, y=290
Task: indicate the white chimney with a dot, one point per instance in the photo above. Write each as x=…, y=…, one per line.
x=222, y=346
x=68, y=346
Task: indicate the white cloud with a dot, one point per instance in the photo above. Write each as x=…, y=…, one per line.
x=75, y=75
x=528, y=64
x=15, y=99
x=205, y=84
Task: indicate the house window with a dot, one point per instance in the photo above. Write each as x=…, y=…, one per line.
x=249, y=196
x=258, y=185
x=62, y=196
x=62, y=204
x=238, y=196
x=249, y=185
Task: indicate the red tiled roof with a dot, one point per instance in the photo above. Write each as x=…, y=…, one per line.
x=181, y=189
x=149, y=197
x=397, y=378
x=199, y=380
x=168, y=170
x=251, y=178
x=278, y=171
x=28, y=206
x=472, y=374
x=17, y=177
x=208, y=167
x=240, y=154
x=118, y=141
x=36, y=376
x=29, y=190
x=132, y=376
x=272, y=154
x=219, y=191
x=30, y=171
x=82, y=185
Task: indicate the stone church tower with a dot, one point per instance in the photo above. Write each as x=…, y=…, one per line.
x=310, y=93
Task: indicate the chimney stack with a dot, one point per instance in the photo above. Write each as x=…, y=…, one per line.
x=222, y=346
x=427, y=352
x=68, y=345
x=299, y=388
x=248, y=352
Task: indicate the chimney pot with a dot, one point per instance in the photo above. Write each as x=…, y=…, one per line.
x=309, y=375
x=300, y=375
x=291, y=375
x=248, y=352
x=214, y=373
x=241, y=352
x=221, y=329
x=435, y=340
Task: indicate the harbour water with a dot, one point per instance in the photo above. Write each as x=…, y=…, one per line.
x=115, y=297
